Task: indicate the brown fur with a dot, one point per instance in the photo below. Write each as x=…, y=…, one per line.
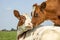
x=49, y=10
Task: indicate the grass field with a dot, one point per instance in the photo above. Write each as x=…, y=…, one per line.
x=7, y=35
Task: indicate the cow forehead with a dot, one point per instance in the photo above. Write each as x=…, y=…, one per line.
x=27, y=18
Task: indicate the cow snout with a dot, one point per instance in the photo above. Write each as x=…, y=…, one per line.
x=29, y=26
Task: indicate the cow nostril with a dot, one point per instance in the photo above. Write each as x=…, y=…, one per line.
x=28, y=23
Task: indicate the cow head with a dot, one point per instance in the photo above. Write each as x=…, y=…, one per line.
x=24, y=24
x=24, y=20
x=38, y=13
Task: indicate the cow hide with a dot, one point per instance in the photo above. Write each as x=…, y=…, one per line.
x=43, y=33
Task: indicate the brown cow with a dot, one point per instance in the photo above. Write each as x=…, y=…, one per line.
x=48, y=10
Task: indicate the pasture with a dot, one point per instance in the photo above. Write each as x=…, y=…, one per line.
x=8, y=35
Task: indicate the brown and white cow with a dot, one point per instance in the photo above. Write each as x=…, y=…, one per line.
x=38, y=33
x=24, y=24
x=48, y=10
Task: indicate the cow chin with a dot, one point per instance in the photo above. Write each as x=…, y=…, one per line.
x=29, y=27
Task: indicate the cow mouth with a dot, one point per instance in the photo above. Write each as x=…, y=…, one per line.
x=29, y=27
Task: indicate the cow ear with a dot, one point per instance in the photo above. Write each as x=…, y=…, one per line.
x=16, y=14
x=34, y=4
x=43, y=6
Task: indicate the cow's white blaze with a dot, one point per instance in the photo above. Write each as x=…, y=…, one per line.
x=28, y=21
x=33, y=10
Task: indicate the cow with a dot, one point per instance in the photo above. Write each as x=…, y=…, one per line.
x=48, y=10
x=24, y=24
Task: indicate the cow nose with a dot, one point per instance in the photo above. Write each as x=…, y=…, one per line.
x=28, y=23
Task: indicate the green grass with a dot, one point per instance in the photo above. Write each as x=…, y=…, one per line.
x=7, y=35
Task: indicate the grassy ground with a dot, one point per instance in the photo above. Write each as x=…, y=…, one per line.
x=6, y=35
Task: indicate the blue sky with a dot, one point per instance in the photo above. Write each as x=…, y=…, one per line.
x=7, y=19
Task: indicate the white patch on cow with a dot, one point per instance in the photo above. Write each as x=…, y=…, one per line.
x=45, y=0
x=33, y=10
x=28, y=21
x=50, y=35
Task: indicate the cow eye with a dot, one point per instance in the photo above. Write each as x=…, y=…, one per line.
x=24, y=18
x=36, y=15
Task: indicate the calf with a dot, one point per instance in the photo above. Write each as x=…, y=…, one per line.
x=24, y=24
